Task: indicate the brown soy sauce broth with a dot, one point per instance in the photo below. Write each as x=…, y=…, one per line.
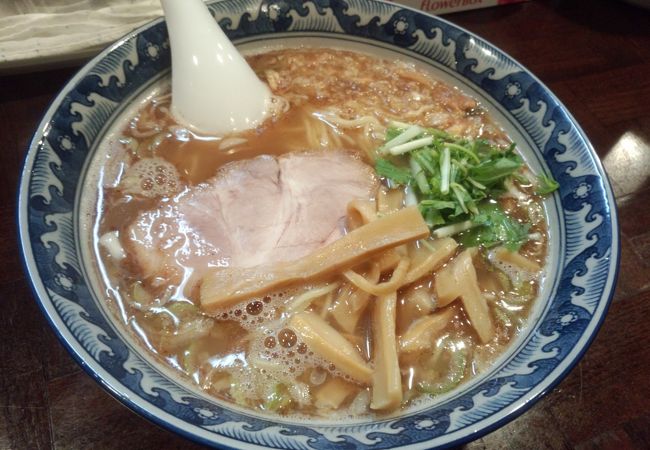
x=336, y=100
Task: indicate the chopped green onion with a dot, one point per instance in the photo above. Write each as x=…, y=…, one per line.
x=420, y=178
x=385, y=168
x=278, y=399
x=455, y=375
x=412, y=145
x=502, y=316
x=546, y=185
x=426, y=158
x=495, y=227
x=438, y=204
x=492, y=171
x=459, y=196
x=476, y=183
x=455, y=182
x=445, y=168
x=409, y=197
x=454, y=228
x=404, y=137
x=459, y=166
x=398, y=124
x=464, y=150
x=430, y=210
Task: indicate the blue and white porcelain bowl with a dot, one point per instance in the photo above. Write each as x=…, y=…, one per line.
x=579, y=279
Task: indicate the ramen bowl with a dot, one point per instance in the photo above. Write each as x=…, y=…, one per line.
x=578, y=280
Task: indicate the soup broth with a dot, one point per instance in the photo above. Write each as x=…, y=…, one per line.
x=260, y=351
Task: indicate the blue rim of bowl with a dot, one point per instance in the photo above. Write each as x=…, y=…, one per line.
x=523, y=404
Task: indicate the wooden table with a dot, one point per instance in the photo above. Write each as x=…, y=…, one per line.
x=595, y=55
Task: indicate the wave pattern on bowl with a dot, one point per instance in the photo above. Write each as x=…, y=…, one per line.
x=585, y=273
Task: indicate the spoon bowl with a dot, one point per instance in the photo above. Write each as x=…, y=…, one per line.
x=214, y=90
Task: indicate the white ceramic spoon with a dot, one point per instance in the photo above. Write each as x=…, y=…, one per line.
x=214, y=90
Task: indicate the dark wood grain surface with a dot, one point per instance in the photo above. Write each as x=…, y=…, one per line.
x=594, y=55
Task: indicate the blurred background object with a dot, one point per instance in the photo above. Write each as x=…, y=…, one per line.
x=641, y=3
x=449, y=6
x=45, y=34
x=42, y=33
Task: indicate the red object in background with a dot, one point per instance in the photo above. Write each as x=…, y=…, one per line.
x=448, y=6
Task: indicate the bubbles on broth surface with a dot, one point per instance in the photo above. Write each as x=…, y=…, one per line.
x=274, y=348
x=252, y=313
x=151, y=177
x=277, y=360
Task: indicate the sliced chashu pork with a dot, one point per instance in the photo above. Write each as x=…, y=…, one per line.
x=256, y=211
